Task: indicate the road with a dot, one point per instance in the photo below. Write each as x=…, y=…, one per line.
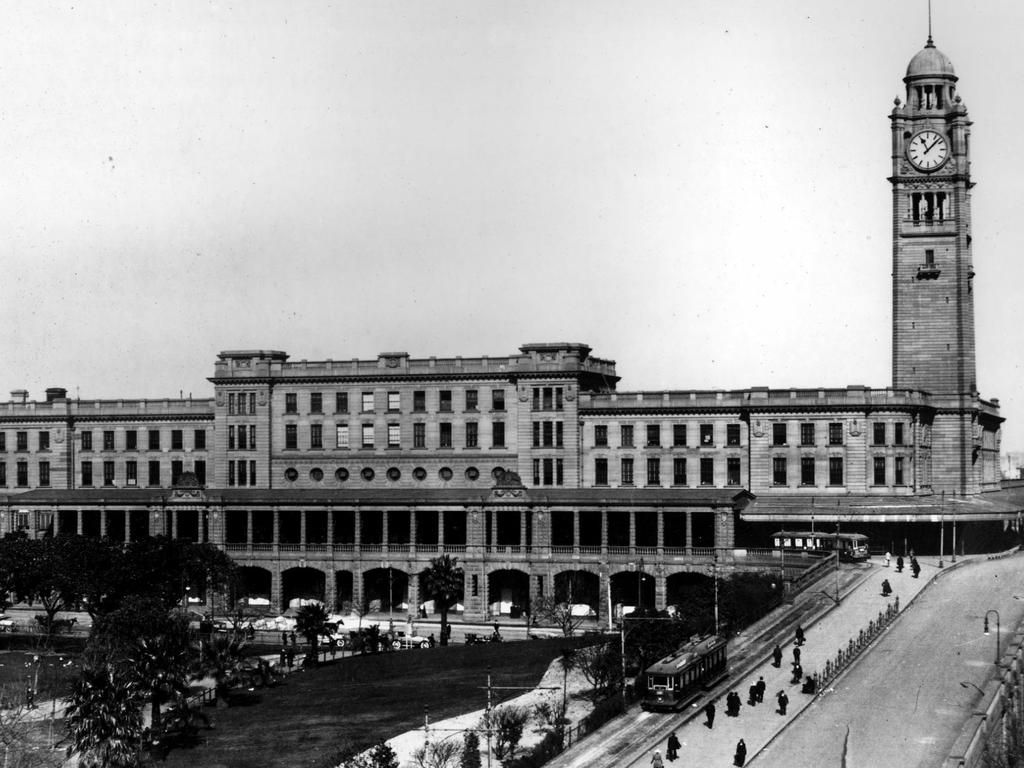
x=904, y=701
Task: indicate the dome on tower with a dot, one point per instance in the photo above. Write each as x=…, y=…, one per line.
x=930, y=62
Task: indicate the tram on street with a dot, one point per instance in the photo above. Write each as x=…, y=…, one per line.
x=852, y=547
x=674, y=681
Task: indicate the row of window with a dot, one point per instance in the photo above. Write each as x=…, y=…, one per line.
x=679, y=477
x=241, y=403
x=393, y=474
x=368, y=435
x=368, y=401
x=109, y=469
x=780, y=472
x=241, y=472
x=653, y=438
x=780, y=433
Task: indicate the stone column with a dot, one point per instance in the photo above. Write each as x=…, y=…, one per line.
x=384, y=529
x=330, y=528
x=357, y=535
x=412, y=531
x=632, y=530
x=103, y=522
x=277, y=528
x=248, y=528
x=522, y=527
x=661, y=530
x=302, y=529
x=414, y=594
x=440, y=528
x=576, y=528
x=689, y=529
x=78, y=521
x=660, y=589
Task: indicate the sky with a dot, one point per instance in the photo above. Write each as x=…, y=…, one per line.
x=697, y=190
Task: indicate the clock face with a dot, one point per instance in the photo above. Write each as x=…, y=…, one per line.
x=927, y=150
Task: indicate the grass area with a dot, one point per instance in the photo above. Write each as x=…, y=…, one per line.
x=304, y=721
x=49, y=673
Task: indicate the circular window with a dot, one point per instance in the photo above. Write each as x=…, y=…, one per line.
x=472, y=473
x=366, y=474
x=341, y=474
x=291, y=474
x=394, y=474
x=445, y=473
x=497, y=472
x=316, y=474
x=419, y=473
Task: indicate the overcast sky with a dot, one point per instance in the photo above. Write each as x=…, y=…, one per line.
x=695, y=189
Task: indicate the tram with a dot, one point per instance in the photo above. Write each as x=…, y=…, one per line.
x=852, y=547
x=674, y=681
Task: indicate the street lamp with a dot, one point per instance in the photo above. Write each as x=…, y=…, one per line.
x=993, y=610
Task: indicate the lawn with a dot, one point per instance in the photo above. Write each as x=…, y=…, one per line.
x=48, y=673
x=304, y=720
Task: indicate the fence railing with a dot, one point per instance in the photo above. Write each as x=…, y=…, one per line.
x=846, y=656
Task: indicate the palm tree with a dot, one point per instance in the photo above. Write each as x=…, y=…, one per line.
x=223, y=658
x=160, y=666
x=444, y=580
x=311, y=622
x=103, y=718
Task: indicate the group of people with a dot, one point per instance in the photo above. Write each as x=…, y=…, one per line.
x=915, y=567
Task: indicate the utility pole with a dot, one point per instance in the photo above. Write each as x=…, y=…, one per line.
x=942, y=527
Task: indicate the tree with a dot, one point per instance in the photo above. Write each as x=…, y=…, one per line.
x=103, y=718
x=223, y=657
x=438, y=754
x=160, y=664
x=549, y=610
x=470, y=751
x=47, y=575
x=444, y=583
x=601, y=666
x=508, y=723
x=311, y=622
x=19, y=741
x=567, y=661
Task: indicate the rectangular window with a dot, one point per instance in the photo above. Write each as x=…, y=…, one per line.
x=536, y=434
x=471, y=400
x=252, y=402
x=291, y=402
x=679, y=435
x=316, y=436
x=627, y=471
x=897, y=436
x=252, y=473
x=878, y=433
x=558, y=434
x=732, y=434
x=558, y=398
x=897, y=470
x=536, y=398
x=231, y=473
x=626, y=435
x=732, y=471
x=445, y=401
x=879, y=470
x=679, y=471
x=3, y=441
x=108, y=440
x=3, y=474
x=471, y=434
x=22, y=441
x=707, y=434
x=498, y=399
x=243, y=438
x=341, y=402
x=600, y=471
x=654, y=471
x=86, y=441
x=806, y=470
x=131, y=440
x=536, y=471
x=394, y=401
x=291, y=437
x=241, y=473
x=419, y=401
x=154, y=473
x=549, y=434
x=779, y=470
x=601, y=434
x=653, y=435
x=807, y=433
x=779, y=433
x=131, y=473
x=445, y=434
x=835, y=434
x=707, y=471
x=929, y=257
x=549, y=472
x=835, y=470
x=44, y=474
x=498, y=434
x=177, y=441
x=368, y=402
x=367, y=435
x=316, y=402
x=252, y=437
x=199, y=440
x=154, y=439
x=199, y=468
x=559, y=472
x=394, y=436
x=547, y=395
x=86, y=473
x=341, y=436
x=231, y=403
x=23, y=473
x=419, y=435
x=231, y=436
x=44, y=440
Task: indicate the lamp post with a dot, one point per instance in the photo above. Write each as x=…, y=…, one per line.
x=639, y=583
x=993, y=610
x=714, y=567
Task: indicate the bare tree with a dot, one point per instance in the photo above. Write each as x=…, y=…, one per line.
x=548, y=610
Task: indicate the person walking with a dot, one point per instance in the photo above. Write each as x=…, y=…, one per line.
x=672, y=748
x=798, y=672
x=709, y=713
x=899, y=564
x=752, y=695
x=915, y=567
x=777, y=657
x=741, y=754
x=783, y=702
x=796, y=655
x=886, y=588
x=760, y=690
x=799, y=635
x=656, y=760
x=888, y=559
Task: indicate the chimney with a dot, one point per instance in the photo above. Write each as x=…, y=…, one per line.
x=19, y=396
x=56, y=393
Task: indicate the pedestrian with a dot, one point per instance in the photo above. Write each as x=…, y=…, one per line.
x=915, y=567
x=798, y=672
x=709, y=713
x=809, y=685
x=799, y=635
x=284, y=638
x=886, y=588
x=332, y=644
x=431, y=640
x=291, y=656
x=752, y=695
x=673, y=745
x=294, y=638
x=888, y=559
x=497, y=629
x=899, y=564
x=656, y=760
x=796, y=655
x=741, y=754
x=777, y=657
x=283, y=657
x=760, y=690
x=783, y=702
